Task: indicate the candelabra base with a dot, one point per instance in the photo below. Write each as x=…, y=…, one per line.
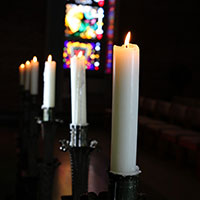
x=79, y=150
x=124, y=187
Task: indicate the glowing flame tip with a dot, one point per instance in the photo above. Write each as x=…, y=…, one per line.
x=127, y=39
x=27, y=62
x=49, y=58
x=22, y=66
x=34, y=59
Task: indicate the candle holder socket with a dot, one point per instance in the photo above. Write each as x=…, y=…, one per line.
x=124, y=187
x=48, y=115
x=79, y=148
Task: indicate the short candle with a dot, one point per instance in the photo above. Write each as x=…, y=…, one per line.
x=125, y=108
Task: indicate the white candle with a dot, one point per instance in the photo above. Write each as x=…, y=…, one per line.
x=34, y=76
x=78, y=90
x=125, y=109
x=27, y=75
x=49, y=83
x=21, y=74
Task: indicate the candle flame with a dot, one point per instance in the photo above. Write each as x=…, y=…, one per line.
x=22, y=66
x=49, y=58
x=80, y=54
x=127, y=39
x=34, y=59
x=27, y=62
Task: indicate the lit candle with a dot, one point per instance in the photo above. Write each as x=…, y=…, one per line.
x=125, y=108
x=78, y=90
x=21, y=74
x=27, y=75
x=34, y=76
x=49, y=83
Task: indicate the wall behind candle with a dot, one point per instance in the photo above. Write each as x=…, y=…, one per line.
x=166, y=32
x=21, y=37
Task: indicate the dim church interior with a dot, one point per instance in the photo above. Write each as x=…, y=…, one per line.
x=168, y=36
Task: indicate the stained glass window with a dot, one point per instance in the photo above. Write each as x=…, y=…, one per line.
x=85, y=31
x=84, y=21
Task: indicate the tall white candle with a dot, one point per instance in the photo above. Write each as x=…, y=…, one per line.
x=21, y=74
x=49, y=83
x=27, y=75
x=78, y=90
x=34, y=76
x=125, y=108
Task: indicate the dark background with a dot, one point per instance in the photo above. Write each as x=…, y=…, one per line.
x=166, y=32
x=168, y=37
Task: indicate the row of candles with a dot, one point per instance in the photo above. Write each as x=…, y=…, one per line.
x=124, y=102
x=29, y=75
x=29, y=78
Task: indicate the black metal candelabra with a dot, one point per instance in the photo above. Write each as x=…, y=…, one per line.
x=20, y=150
x=31, y=142
x=20, y=128
x=19, y=147
x=26, y=179
x=120, y=188
x=24, y=141
x=33, y=138
x=124, y=187
x=79, y=148
x=49, y=164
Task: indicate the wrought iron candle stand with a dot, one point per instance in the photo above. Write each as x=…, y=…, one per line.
x=33, y=138
x=19, y=147
x=49, y=164
x=120, y=188
x=24, y=140
x=29, y=145
x=124, y=187
x=79, y=148
x=26, y=185
x=21, y=109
